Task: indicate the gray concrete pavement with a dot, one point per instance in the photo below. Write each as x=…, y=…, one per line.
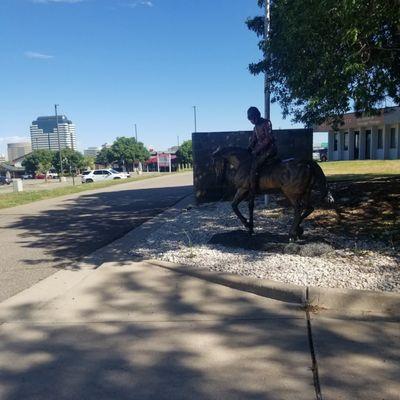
x=357, y=359
x=135, y=331
x=38, y=238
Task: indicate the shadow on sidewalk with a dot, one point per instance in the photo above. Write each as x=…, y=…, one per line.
x=89, y=222
x=140, y=332
x=149, y=334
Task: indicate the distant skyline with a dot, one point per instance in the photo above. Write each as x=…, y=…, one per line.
x=113, y=63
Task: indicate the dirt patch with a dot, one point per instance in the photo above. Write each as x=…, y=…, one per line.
x=364, y=210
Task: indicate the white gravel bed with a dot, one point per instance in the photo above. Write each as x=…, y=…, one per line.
x=335, y=262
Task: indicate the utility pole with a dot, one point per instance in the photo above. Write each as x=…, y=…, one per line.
x=267, y=94
x=195, y=118
x=59, y=143
x=136, y=132
x=178, y=140
x=71, y=170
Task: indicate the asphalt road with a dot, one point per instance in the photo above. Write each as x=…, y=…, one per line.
x=41, y=184
x=39, y=238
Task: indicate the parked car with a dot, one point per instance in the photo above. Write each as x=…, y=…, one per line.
x=52, y=175
x=102, y=175
x=128, y=174
x=320, y=155
x=4, y=180
x=49, y=175
x=27, y=176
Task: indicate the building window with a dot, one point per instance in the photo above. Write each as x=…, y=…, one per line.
x=335, y=141
x=346, y=141
x=380, y=139
x=392, y=138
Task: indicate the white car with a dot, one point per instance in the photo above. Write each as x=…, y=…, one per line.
x=102, y=175
x=27, y=176
x=52, y=175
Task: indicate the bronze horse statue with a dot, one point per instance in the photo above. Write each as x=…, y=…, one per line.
x=296, y=179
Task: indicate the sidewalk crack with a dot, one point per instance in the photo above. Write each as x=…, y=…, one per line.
x=314, y=367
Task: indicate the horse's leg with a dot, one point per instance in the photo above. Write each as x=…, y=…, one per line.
x=239, y=197
x=251, y=213
x=294, y=230
x=307, y=210
x=304, y=214
x=296, y=202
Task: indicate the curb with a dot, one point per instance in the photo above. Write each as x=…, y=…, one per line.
x=122, y=247
x=262, y=287
x=315, y=298
x=65, y=279
x=354, y=300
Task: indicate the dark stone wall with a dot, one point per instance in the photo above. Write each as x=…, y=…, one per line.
x=291, y=143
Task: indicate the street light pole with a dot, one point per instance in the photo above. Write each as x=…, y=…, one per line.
x=59, y=143
x=195, y=118
x=267, y=94
x=136, y=132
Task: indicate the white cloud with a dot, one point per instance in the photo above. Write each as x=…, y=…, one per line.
x=37, y=56
x=14, y=139
x=146, y=3
x=57, y=1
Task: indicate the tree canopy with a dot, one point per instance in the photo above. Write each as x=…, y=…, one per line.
x=105, y=156
x=39, y=161
x=325, y=57
x=88, y=162
x=124, y=151
x=72, y=160
x=184, y=152
x=128, y=150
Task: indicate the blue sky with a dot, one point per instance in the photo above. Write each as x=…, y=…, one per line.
x=113, y=63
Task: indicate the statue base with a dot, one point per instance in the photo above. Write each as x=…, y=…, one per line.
x=269, y=242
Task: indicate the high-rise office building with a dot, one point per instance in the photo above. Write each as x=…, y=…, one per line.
x=91, y=152
x=17, y=150
x=44, y=133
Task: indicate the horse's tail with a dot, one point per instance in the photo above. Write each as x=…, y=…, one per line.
x=320, y=183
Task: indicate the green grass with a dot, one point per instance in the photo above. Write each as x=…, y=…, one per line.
x=361, y=169
x=16, y=199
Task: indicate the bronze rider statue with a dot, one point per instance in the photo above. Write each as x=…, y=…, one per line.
x=262, y=145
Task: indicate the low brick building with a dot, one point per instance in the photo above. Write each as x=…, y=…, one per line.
x=367, y=137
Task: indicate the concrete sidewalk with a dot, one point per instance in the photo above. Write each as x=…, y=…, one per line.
x=132, y=330
x=136, y=331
